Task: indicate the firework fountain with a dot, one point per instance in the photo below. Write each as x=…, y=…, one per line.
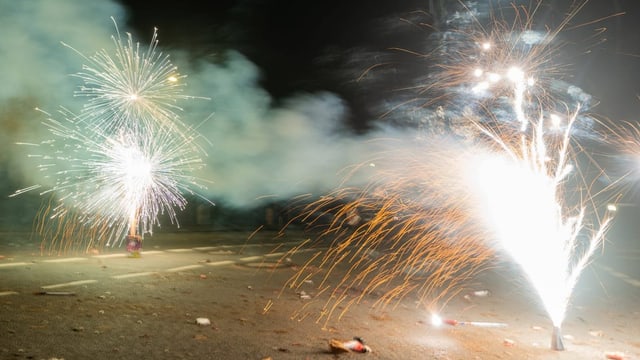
x=521, y=186
x=125, y=158
x=501, y=172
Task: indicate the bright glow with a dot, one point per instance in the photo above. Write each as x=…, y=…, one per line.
x=515, y=74
x=436, y=320
x=520, y=198
x=556, y=120
x=493, y=77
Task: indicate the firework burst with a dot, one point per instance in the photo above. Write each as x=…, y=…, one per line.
x=133, y=87
x=123, y=180
x=126, y=158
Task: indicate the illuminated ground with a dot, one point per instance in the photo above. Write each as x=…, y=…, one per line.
x=147, y=308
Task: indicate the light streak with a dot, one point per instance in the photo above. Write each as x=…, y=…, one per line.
x=437, y=320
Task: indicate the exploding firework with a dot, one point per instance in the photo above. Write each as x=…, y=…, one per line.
x=495, y=62
x=118, y=182
x=126, y=158
x=622, y=158
x=527, y=188
x=133, y=87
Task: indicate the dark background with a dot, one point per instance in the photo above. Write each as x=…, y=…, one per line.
x=307, y=46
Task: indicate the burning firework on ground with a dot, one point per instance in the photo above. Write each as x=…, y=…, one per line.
x=523, y=193
x=125, y=159
x=513, y=184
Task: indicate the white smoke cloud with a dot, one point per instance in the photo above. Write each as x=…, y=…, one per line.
x=256, y=149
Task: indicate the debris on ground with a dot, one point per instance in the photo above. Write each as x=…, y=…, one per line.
x=615, y=355
x=56, y=293
x=477, y=293
x=596, y=333
x=203, y=321
x=355, y=345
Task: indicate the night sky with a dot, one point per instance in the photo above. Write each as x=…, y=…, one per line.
x=311, y=46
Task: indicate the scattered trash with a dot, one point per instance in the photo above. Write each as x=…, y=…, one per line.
x=453, y=322
x=508, y=342
x=355, y=345
x=481, y=293
x=304, y=296
x=203, y=276
x=615, y=355
x=477, y=293
x=56, y=293
x=596, y=333
x=203, y=321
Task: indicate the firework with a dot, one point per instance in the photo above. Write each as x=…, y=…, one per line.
x=133, y=87
x=622, y=158
x=495, y=62
x=523, y=195
x=512, y=177
x=119, y=182
x=126, y=158
x=405, y=232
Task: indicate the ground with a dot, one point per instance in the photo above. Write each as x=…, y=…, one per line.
x=104, y=305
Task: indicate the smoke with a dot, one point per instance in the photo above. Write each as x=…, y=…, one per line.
x=259, y=150
x=36, y=68
x=255, y=149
